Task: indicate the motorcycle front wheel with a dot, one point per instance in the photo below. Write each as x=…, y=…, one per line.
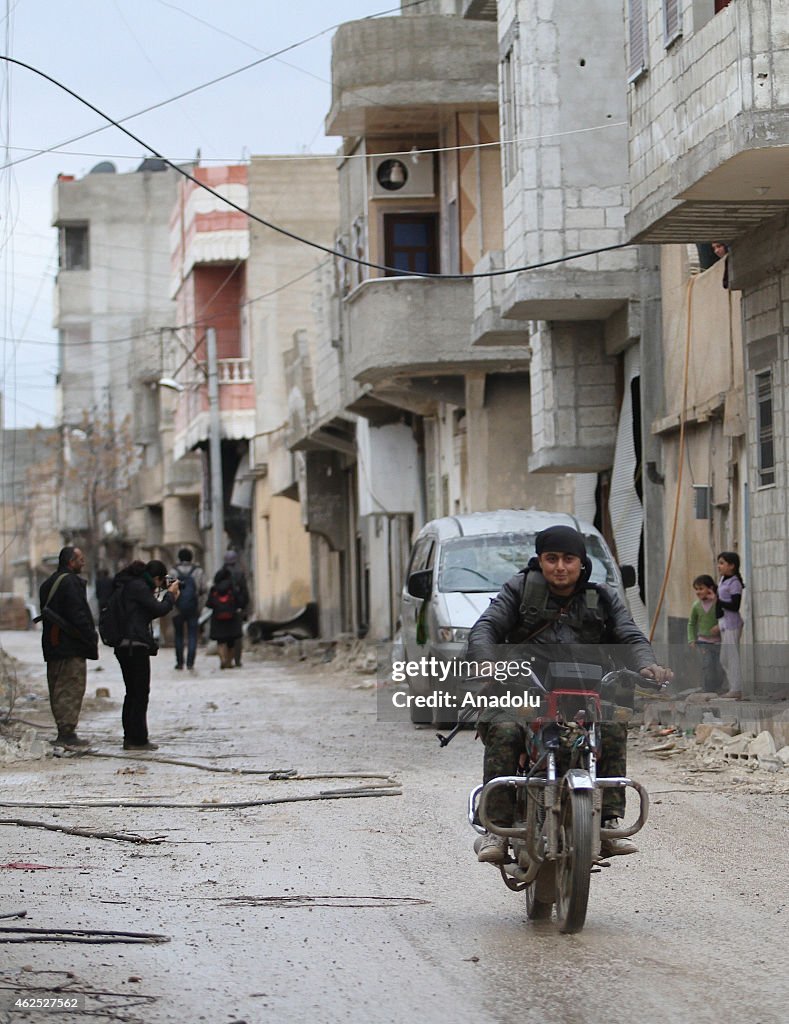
x=574, y=864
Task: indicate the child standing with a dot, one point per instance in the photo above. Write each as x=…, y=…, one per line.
x=730, y=588
x=704, y=634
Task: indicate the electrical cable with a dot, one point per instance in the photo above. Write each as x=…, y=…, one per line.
x=413, y=152
x=396, y=271
x=204, y=85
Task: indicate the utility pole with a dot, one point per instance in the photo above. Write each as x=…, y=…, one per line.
x=215, y=453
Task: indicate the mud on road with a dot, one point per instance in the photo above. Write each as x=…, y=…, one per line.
x=368, y=909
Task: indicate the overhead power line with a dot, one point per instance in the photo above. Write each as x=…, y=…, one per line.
x=196, y=88
x=292, y=234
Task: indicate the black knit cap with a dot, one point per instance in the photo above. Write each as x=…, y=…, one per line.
x=562, y=539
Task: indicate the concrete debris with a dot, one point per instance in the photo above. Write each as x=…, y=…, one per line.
x=706, y=729
x=21, y=743
x=783, y=754
x=762, y=746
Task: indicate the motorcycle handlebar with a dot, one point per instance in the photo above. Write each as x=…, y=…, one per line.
x=627, y=675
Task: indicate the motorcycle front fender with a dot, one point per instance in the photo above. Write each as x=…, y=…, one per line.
x=577, y=778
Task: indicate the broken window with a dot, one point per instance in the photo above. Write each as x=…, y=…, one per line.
x=73, y=247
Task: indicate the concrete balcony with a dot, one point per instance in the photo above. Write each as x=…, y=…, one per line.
x=488, y=328
x=709, y=130
x=402, y=73
x=561, y=293
x=236, y=407
x=410, y=327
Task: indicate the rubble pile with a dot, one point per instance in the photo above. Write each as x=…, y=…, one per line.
x=718, y=746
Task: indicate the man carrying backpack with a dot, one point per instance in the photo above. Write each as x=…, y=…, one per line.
x=187, y=608
x=550, y=608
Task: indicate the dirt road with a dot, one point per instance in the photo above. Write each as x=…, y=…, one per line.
x=396, y=921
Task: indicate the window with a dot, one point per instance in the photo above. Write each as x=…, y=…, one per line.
x=637, y=32
x=764, y=426
x=672, y=21
x=410, y=241
x=73, y=247
x=509, y=126
x=720, y=4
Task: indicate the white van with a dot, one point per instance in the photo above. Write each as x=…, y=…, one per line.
x=459, y=563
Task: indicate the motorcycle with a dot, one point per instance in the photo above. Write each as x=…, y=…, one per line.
x=556, y=835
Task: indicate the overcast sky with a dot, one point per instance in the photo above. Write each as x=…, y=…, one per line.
x=122, y=56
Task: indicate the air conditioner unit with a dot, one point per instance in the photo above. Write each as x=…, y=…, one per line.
x=395, y=177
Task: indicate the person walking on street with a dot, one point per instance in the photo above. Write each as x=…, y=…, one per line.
x=730, y=588
x=68, y=639
x=187, y=608
x=138, y=583
x=242, y=600
x=226, y=623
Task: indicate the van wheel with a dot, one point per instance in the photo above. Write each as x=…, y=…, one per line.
x=439, y=722
x=420, y=716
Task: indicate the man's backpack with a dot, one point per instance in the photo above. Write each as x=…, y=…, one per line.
x=224, y=605
x=112, y=618
x=186, y=605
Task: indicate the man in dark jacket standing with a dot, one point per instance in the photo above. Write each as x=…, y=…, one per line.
x=138, y=584
x=551, y=602
x=68, y=638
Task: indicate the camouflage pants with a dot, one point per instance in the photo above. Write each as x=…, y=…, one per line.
x=505, y=742
x=66, y=678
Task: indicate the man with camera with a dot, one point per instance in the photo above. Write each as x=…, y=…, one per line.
x=68, y=638
x=138, y=584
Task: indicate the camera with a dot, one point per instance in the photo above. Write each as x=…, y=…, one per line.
x=168, y=581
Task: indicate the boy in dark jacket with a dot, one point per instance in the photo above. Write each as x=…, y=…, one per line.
x=139, y=581
x=68, y=638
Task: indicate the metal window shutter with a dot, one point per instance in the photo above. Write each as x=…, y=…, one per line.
x=638, y=37
x=671, y=17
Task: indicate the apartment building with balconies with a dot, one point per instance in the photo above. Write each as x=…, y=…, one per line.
x=709, y=161
x=252, y=286
x=209, y=249
x=441, y=425
x=113, y=313
x=564, y=165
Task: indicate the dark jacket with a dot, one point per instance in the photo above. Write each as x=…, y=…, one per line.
x=141, y=608
x=502, y=617
x=74, y=636
x=224, y=630
x=241, y=589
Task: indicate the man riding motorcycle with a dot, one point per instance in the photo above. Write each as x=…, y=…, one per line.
x=552, y=602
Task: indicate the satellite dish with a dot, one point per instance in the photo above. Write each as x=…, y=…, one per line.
x=105, y=167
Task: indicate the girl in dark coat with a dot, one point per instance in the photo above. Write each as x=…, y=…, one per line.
x=226, y=622
x=140, y=607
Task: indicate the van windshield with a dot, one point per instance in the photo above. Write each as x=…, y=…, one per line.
x=483, y=564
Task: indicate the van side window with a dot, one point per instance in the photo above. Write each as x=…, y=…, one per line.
x=422, y=555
